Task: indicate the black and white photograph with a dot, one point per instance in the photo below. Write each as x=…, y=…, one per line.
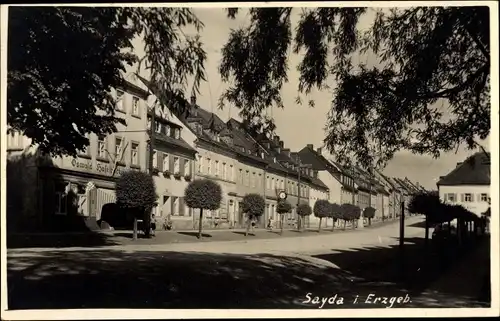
x=202, y=160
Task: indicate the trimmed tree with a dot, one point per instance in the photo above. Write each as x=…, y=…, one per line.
x=322, y=208
x=253, y=205
x=335, y=213
x=428, y=204
x=369, y=213
x=282, y=208
x=136, y=192
x=203, y=194
x=303, y=210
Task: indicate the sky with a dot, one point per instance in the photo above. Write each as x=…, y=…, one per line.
x=418, y=168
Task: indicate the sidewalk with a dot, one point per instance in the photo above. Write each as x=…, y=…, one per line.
x=463, y=285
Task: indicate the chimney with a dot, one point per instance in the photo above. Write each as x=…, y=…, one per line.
x=459, y=163
x=282, y=144
x=286, y=151
x=320, y=150
x=310, y=146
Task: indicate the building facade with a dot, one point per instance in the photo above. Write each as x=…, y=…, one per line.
x=468, y=184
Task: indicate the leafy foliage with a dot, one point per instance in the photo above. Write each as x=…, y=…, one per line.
x=253, y=205
x=426, y=58
x=322, y=208
x=203, y=194
x=350, y=212
x=283, y=207
x=304, y=210
x=369, y=212
x=135, y=189
x=336, y=211
x=64, y=61
x=425, y=203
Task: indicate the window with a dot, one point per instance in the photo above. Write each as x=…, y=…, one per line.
x=268, y=182
x=240, y=176
x=484, y=197
x=135, y=106
x=273, y=186
x=200, y=164
x=101, y=147
x=135, y=154
x=451, y=197
x=165, y=162
x=177, y=133
x=231, y=172
x=224, y=173
x=176, y=165
x=254, y=180
x=158, y=127
x=155, y=159
x=60, y=203
x=167, y=130
x=209, y=167
x=186, y=167
x=216, y=168
x=247, y=178
x=119, y=100
x=149, y=124
x=118, y=147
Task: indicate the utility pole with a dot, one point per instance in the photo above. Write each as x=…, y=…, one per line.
x=402, y=237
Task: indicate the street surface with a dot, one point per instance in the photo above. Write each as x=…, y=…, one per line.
x=351, y=269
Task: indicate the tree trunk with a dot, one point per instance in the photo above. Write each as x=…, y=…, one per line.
x=281, y=223
x=426, y=243
x=200, y=223
x=320, y=221
x=333, y=223
x=369, y=221
x=147, y=222
x=249, y=221
x=135, y=229
x=345, y=223
x=298, y=223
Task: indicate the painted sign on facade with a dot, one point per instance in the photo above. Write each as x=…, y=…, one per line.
x=103, y=168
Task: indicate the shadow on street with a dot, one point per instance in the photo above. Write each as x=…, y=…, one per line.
x=161, y=279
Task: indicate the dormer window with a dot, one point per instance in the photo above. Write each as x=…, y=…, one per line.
x=177, y=133
x=158, y=127
x=167, y=130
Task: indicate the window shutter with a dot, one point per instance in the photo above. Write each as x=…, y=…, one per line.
x=472, y=197
x=159, y=157
x=462, y=197
x=181, y=206
x=182, y=163
x=171, y=161
x=172, y=205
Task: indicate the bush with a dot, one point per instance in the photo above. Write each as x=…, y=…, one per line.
x=203, y=194
x=253, y=205
x=321, y=209
x=282, y=208
x=369, y=212
x=304, y=210
x=135, y=189
x=136, y=192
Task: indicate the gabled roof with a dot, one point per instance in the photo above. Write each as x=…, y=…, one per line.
x=475, y=170
x=320, y=163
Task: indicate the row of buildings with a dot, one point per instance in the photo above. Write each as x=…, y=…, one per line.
x=196, y=144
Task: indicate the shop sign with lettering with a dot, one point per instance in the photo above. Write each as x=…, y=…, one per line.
x=101, y=167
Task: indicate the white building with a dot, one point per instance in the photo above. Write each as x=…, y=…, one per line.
x=468, y=184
